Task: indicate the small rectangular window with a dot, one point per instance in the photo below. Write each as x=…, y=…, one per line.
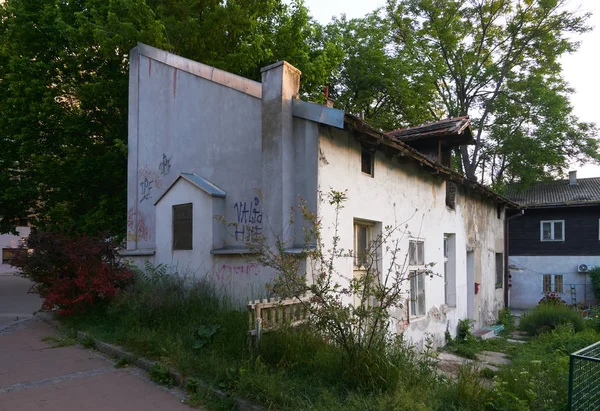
x=416, y=252
x=547, y=284
x=417, y=293
x=552, y=283
x=552, y=230
x=499, y=270
x=182, y=227
x=366, y=162
x=558, y=283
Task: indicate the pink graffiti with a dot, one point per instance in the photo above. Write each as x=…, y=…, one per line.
x=226, y=272
x=152, y=175
x=136, y=226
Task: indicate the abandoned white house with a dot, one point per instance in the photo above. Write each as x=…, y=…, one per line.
x=206, y=143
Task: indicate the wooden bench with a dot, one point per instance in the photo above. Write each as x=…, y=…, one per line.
x=268, y=314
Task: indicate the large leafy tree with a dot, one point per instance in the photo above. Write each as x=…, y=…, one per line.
x=499, y=62
x=374, y=81
x=64, y=85
x=63, y=89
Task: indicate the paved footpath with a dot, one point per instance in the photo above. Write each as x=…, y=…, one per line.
x=34, y=376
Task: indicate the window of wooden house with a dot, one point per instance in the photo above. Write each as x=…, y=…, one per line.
x=182, y=227
x=552, y=230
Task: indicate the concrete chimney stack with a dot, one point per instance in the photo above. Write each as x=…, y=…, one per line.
x=572, y=178
x=280, y=86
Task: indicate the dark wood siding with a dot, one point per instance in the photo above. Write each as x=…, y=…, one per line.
x=581, y=232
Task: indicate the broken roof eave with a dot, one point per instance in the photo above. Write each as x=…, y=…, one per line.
x=378, y=139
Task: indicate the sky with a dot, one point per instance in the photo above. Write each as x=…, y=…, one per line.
x=579, y=68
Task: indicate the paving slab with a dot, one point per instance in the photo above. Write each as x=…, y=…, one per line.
x=34, y=376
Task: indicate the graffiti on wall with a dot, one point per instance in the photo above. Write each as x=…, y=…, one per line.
x=146, y=189
x=227, y=272
x=137, y=229
x=249, y=218
x=165, y=165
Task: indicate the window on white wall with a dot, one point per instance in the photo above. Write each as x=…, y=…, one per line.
x=416, y=252
x=552, y=230
x=182, y=227
x=362, y=243
x=450, y=270
x=499, y=270
x=416, y=261
x=552, y=283
x=367, y=162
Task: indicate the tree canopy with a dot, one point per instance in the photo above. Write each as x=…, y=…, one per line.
x=64, y=88
x=497, y=61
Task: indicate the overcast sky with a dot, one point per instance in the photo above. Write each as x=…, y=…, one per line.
x=579, y=68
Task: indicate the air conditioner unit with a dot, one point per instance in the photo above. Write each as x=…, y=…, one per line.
x=583, y=268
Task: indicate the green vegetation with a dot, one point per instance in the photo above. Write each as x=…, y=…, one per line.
x=595, y=279
x=159, y=318
x=547, y=316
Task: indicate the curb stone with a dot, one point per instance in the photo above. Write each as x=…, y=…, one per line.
x=146, y=365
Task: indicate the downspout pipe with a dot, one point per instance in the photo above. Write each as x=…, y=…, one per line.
x=506, y=253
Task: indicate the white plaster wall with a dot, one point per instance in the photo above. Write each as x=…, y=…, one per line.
x=12, y=241
x=401, y=193
x=527, y=285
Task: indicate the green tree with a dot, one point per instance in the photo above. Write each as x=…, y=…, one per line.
x=242, y=36
x=374, y=81
x=64, y=88
x=498, y=61
x=63, y=110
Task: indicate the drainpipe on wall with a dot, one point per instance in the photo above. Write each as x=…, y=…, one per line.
x=506, y=253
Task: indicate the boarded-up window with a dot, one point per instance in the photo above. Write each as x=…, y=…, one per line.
x=451, y=190
x=182, y=227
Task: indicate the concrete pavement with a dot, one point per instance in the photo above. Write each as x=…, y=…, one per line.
x=35, y=376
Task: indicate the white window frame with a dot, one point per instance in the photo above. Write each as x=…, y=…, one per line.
x=552, y=233
x=553, y=284
x=416, y=272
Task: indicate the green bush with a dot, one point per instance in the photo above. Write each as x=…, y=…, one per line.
x=506, y=319
x=595, y=279
x=547, y=316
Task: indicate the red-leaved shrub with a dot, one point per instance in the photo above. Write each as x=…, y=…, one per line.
x=72, y=274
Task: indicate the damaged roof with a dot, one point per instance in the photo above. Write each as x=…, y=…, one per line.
x=457, y=129
x=373, y=137
x=557, y=193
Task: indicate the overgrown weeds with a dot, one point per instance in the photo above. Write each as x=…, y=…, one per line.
x=548, y=315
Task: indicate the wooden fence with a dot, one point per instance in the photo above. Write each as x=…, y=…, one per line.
x=267, y=314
